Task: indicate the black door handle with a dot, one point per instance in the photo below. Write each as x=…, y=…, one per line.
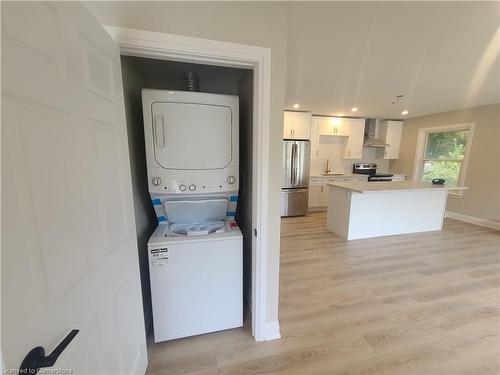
x=36, y=358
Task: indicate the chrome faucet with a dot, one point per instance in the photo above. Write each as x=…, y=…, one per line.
x=327, y=167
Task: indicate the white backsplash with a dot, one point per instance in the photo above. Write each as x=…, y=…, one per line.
x=331, y=149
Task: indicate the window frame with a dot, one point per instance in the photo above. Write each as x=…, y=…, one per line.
x=422, y=138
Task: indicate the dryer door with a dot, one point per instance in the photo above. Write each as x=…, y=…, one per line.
x=192, y=136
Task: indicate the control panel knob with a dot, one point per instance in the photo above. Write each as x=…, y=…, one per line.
x=192, y=187
x=182, y=187
x=231, y=180
x=156, y=181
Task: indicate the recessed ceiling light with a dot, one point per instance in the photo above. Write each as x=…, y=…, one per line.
x=296, y=106
x=354, y=109
x=405, y=112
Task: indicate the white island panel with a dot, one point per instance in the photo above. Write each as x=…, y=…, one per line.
x=354, y=214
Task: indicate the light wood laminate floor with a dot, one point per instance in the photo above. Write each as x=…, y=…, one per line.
x=411, y=304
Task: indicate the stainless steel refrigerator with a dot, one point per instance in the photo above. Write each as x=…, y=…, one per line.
x=295, y=177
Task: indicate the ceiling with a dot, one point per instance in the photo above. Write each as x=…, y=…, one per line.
x=440, y=55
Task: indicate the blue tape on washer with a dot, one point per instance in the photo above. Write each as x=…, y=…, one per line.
x=231, y=213
x=162, y=219
x=233, y=198
x=156, y=202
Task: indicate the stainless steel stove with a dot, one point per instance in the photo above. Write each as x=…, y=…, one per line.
x=370, y=169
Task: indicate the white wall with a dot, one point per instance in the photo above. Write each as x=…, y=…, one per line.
x=257, y=23
x=331, y=148
x=483, y=173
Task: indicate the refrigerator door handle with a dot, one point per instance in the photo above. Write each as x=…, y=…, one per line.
x=294, y=164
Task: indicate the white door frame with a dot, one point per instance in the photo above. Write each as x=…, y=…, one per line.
x=204, y=51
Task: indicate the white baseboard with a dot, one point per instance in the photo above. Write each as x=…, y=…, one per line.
x=272, y=331
x=474, y=220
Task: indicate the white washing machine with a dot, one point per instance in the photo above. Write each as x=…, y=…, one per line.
x=196, y=272
x=196, y=252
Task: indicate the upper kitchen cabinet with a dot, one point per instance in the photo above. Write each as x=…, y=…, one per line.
x=333, y=126
x=323, y=125
x=354, y=145
x=297, y=125
x=314, y=137
x=390, y=132
x=351, y=132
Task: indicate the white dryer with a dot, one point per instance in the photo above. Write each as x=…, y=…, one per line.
x=195, y=253
x=192, y=142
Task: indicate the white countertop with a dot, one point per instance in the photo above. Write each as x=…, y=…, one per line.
x=379, y=187
x=349, y=175
x=337, y=175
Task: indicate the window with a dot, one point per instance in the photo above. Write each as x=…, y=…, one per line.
x=442, y=152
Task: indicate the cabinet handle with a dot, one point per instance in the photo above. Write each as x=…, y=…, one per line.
x=321, y=188
x=349, y=153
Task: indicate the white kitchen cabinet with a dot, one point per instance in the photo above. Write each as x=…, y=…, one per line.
x=296, y=125
x=315, y=192
x=301, y=125
x=314, y=138
x=390, y=132
x=336, y=126
x=287, y=125
x=326, y=180
x=352, y=131
x=315, y=196
x=318, y=189
x=354, y=145
x=360, y=179
x=399, y=177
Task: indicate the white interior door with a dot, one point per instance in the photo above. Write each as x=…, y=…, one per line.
x=69, y=253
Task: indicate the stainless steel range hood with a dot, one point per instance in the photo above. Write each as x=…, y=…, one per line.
x=370, y=139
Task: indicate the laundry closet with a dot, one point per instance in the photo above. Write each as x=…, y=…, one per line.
x=205, y=193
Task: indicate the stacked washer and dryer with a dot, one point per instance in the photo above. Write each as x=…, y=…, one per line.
x=195, y=254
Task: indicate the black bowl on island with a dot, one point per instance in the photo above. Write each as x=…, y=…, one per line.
x=438, y=181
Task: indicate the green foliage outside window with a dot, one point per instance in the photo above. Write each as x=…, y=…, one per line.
x=444, y=155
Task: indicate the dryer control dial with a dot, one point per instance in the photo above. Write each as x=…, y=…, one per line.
x=231, y=180
x=156, y=181
x=182, y=187
x=192, y=187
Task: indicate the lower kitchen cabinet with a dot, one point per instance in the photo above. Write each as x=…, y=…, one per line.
x=315, y=196
x=318, y=190
x=398, y=177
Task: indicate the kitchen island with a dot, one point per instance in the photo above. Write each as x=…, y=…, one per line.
x=372, y=209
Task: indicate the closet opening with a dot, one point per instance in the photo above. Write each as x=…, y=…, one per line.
x=147, y=73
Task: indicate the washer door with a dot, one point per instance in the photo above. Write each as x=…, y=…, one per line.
x=192, y=136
